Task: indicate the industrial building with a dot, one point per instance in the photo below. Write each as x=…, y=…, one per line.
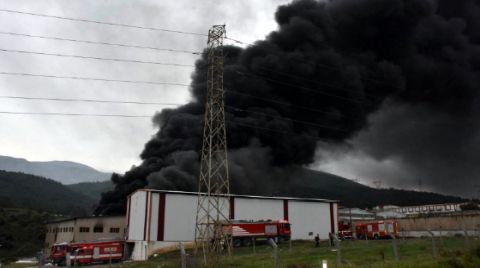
x=158, y=219
x=84, y=229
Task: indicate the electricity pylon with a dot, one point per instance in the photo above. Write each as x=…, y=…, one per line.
x=213, y=185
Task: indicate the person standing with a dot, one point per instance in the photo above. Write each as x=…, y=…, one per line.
x=317, y=241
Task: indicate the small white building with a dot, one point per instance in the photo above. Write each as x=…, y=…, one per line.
x=355, y=214
x=160, y=219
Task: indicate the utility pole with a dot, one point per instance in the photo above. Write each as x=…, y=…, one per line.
x=213, y=185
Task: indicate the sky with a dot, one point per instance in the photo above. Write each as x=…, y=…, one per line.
x=105, y=143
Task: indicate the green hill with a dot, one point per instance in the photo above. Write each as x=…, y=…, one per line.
x=22, y=233
x=21, y=190
x=351, y=194
x=92, y=189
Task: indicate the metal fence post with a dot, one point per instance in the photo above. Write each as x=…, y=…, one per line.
x=394, y=245
x=467, y=242
x=183, y=256
x=275, y=252
x=434, y=246
x=339, y=253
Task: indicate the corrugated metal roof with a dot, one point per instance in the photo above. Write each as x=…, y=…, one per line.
x=246, y=196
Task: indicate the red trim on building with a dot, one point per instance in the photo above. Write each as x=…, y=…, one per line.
x=149, y=215
x=146, y=215
x=231, y=214
x=161, y=217
x=332, y=219
x=285, y=209
x=129, y=203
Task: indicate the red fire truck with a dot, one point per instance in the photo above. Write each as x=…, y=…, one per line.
x=344, y=230
x=87, y=252
x=376, y=230
x=245, y=232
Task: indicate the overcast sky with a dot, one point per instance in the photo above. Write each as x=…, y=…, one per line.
x=107, y=144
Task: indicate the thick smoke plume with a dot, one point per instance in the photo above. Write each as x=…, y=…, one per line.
x=328, y=67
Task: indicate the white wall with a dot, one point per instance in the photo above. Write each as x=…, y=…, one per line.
x=154, y=216
x=258, y=209
x=180, y=215
x=137, y=215
x=306, y=217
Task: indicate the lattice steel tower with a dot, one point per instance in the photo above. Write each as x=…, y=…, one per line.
x=213, y=184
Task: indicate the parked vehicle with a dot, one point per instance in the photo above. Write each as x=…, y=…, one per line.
x=344, y=230
x=87, y=252
x=377, y=230
x=245, y=232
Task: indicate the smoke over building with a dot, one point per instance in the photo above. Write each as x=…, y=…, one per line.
x=402, y=73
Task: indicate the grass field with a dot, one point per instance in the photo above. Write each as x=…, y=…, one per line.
x=452, y=252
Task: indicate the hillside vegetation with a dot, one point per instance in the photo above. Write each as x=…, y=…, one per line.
x=93, y=190
x=21, y=190
x=22, y=233
x=351, y=194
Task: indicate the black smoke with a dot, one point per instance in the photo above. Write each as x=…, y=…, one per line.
x=328, y=67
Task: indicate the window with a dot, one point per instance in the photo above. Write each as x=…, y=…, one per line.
x=98, y=229
x=114, y=230
x=84, y=229
x=381, y=227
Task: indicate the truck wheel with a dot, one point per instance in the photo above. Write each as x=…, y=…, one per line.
x=237, y=242
x=247, y=242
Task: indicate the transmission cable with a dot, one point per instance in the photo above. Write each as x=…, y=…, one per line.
x=284, y=118
x=93, y=58
x=102, y=43
x=95, y=79
x=149, y=116
x=75, y=114
x=278, y=131
x=102, y=22
x=91, y=100
x=304, y=88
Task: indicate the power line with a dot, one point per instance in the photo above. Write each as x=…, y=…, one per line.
x=173, y=84
x=277, y=131
x=322, y=65
x=149, y=116
x=167, y=83
x=315, y=81
x=102, y=22
x=93, y=58
x=172, y=31
x=280, y=102
x=75, y=114
x=285, y=118
x=164, y=104
x=90, y=100
x=321, y=92
x=95, y=79
x=101, y=43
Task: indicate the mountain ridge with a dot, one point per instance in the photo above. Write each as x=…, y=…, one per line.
x=65, y=172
